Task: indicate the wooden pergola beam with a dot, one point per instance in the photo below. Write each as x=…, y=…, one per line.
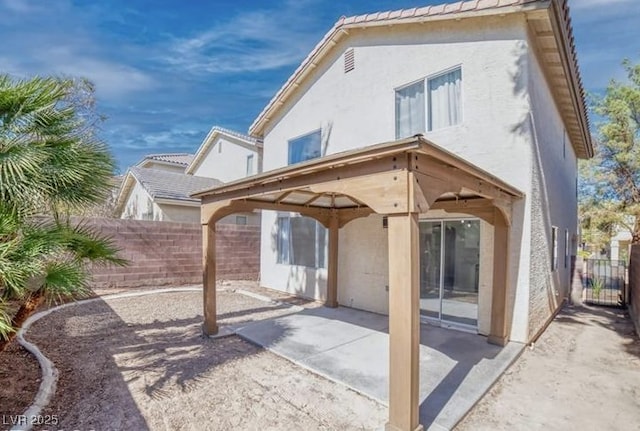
x=210, y=326
x=404, y=323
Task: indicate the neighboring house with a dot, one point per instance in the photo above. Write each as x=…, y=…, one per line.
x=472, y=225
x=160, y=195
x=620, y=246
x=227, y=155
x=158, y=187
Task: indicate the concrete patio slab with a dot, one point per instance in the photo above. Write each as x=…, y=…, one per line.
x=351, y=347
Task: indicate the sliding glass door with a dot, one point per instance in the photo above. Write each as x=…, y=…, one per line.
x=449, y=271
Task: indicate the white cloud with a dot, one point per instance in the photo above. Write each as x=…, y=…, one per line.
x=253, y=41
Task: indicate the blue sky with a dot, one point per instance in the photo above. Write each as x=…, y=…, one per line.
x=166, y=71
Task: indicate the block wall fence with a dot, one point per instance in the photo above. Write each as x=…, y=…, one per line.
x=170, y=254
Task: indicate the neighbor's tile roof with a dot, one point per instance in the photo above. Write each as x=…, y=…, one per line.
x=171, y=185
x=178, y=158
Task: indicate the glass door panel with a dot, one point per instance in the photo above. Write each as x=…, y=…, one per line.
x=430, y=274
x=460, y=267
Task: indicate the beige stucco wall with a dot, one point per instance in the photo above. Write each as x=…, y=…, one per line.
x=231, y=163
x=179, y=213
x=554, y=192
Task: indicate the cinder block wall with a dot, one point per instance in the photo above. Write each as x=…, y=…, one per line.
x=634, y=286
x=170, y=254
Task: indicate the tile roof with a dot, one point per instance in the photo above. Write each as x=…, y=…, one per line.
x=178, y=158
x=171, y=185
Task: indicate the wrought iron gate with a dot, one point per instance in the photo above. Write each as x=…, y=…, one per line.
x=605, y=282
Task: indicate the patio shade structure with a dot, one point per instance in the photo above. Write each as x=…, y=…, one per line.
x=399, y=179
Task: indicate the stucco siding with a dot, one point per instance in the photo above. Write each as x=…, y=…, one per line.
x=226, y=161
x=357, y=109
x=363, y=272
x=179, y=213
x=554, y=195
x=139, y=205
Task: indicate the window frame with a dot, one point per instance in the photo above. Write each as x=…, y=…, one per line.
x=249, y=166
x=427, y=108
x=296, y=138
x=566, y=248
x=554, y=248
x=320, y=253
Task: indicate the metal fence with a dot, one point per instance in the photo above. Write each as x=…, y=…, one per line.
x=605, y=282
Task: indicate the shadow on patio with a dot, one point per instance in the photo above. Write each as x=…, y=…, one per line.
x=351, y=347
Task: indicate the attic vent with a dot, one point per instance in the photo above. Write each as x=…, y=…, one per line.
x=349, y=60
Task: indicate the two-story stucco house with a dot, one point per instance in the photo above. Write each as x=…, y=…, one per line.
x=159, y=186
x=434, y=151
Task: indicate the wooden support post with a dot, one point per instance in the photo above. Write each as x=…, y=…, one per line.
x=404, y=323
x=499, y=328
x=332, y=264
x=210, y=326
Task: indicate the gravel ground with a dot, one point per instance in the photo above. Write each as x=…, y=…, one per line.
x=19, y=380
x=582, y=374
x=140, y=363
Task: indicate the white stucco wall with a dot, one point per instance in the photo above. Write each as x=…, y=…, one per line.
x=231, y=163
x=138, y=204
x=554, y=193
x=502, y=91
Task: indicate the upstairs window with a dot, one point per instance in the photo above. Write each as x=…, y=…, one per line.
x=304, y=148
x=249, y=164
x=554, y=248
x=440, y=108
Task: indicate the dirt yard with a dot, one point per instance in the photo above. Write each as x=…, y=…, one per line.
x=141, y=363
x=582, y=374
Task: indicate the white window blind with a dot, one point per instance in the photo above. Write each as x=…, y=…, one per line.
x=440, y=107
x=445, y=100
x=410, y=119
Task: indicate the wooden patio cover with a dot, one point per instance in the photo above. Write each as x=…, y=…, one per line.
x=399, y=179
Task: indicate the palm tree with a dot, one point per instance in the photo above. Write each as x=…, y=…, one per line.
x=51, y=164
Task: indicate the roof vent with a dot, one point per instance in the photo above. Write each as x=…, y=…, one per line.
x=349, y=60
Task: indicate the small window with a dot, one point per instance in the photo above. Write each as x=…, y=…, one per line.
x=349, y=60
x=240, y=219
x=304, y=148
x=554, y=248
x=250, y=164
x=567, y=251
x=220, y=147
